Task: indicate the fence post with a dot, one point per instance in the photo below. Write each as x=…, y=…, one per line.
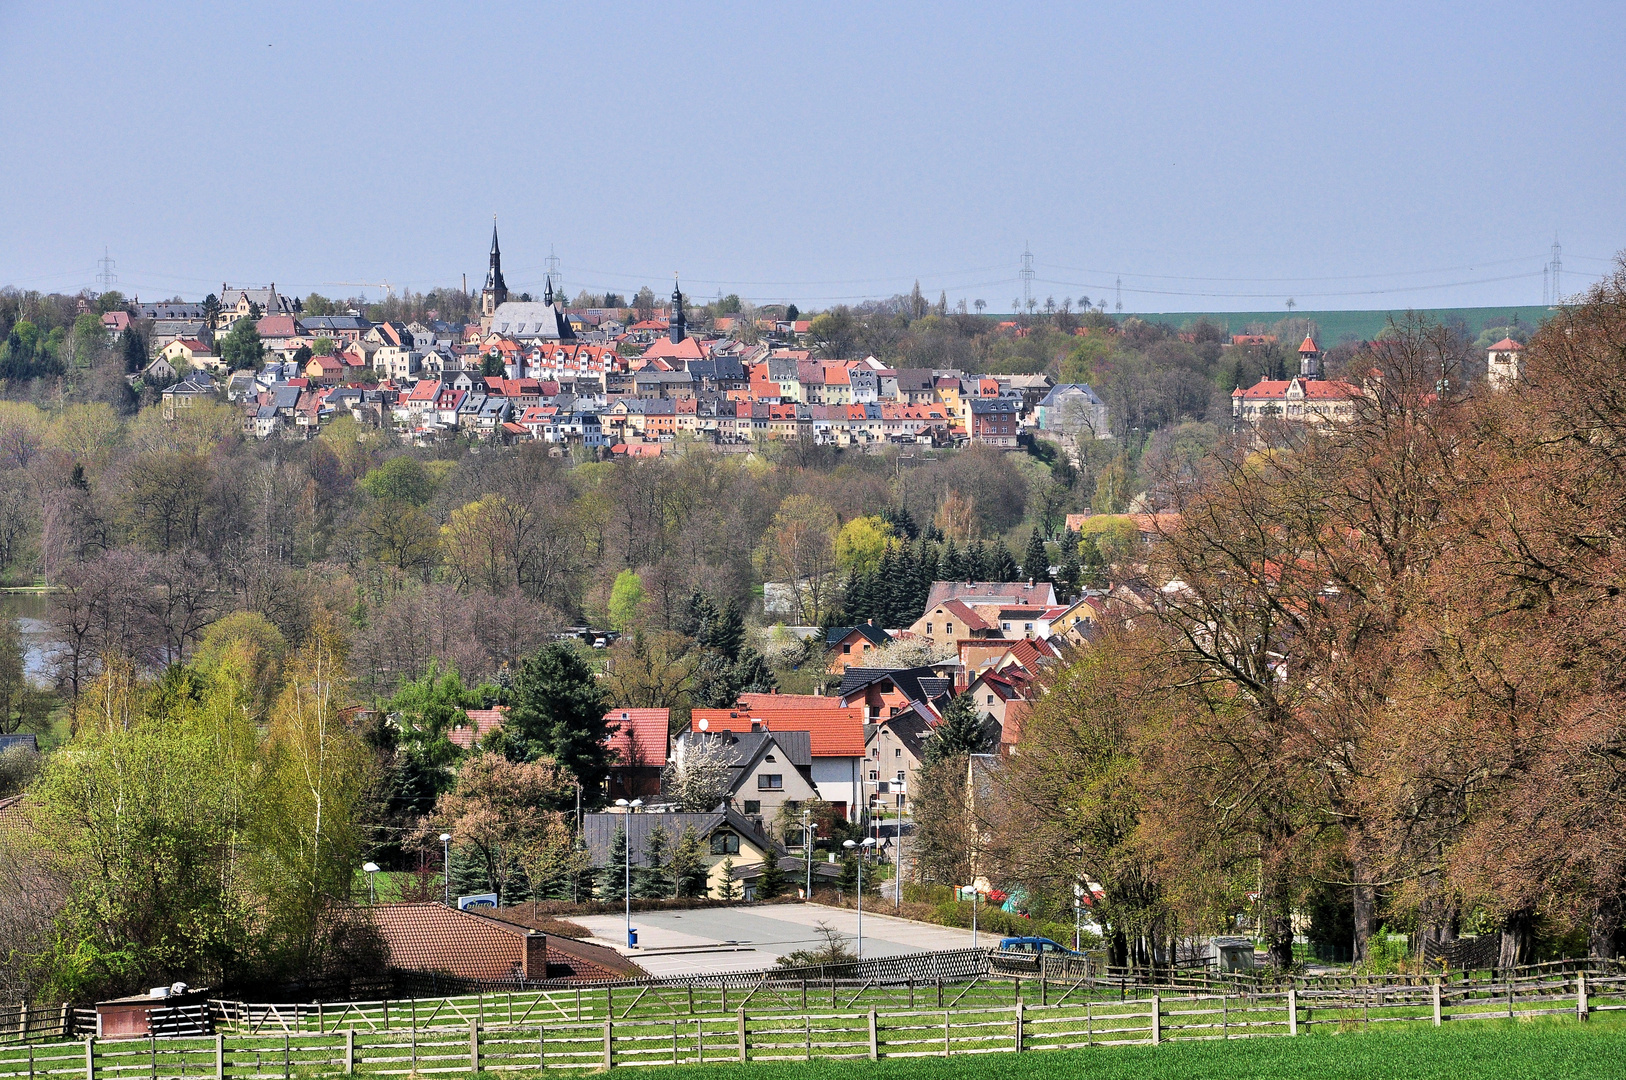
x=1292, y=1012
x=874, y=1044
x=742, y=1034
x=321, y=1019
x=1019, y=1021
x=220, y=1056
x=609, y=1059
x=1437, y=1017
x=474, y=1046
x=349, y=1051
x=90, y=1057
x=1157, y=1019
x=1580, y=996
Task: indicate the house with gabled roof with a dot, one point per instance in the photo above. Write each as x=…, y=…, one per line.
x=847, y=645
x=767, y=769
x=951, y=620
x=835, y=742
x=638, y=743
x=882, y=692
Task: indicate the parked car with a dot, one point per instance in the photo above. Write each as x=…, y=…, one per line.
x=1033, y=945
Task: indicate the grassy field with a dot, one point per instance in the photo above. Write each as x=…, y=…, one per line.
x=1335, y=326
x=1531, y=1050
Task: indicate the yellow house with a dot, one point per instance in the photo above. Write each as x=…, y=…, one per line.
x=1086, y=610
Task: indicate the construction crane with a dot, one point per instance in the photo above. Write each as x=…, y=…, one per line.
x=386, y=286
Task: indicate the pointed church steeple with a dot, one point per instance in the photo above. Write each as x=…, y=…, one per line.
x=547, y=291
x=496, y=290
x=679, y=327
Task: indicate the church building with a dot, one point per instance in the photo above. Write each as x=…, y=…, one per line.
x=519, y=320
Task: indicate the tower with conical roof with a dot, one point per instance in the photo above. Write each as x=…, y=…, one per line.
x=496, y=289
x=1309, y=359
x=679, y=327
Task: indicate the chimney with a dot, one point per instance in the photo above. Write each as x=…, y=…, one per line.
x=535, y=965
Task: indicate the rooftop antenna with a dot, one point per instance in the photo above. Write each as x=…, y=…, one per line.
x=1027, y=277
x=107, y=279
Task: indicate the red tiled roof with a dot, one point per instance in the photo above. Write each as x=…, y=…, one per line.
x=1507, y=344
x=639, y=737
x=1309, y=345
x=434, y=937
x=482, y=722
x=837, y=732
x=1313, y=388
x=789, y=701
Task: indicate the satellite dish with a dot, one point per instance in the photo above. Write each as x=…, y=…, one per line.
x=703, y=723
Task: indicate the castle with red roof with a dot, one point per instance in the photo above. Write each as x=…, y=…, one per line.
x=1306, y=397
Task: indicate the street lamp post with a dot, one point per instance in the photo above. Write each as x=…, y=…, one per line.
x=807, y=850
x=446, y=864
x=626, y=833
x=370, y=868
x=869, y=842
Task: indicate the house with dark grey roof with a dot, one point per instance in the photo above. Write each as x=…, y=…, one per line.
x=521, y=320
x=725, y=834
x=885, y=693
x=767, y=769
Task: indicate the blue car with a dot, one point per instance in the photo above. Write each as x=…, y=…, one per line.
x=1033, y=945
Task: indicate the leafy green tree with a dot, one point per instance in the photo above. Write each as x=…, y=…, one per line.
x=961, y=731
x=558, y=710
x=21, y=704
x=323, y=346
x=773, y=881
x=242, y=348
x=626, y=595
x=402, y=477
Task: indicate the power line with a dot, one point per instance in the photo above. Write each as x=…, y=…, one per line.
x=1273, y=296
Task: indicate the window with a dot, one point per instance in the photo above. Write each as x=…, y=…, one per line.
x=928, y=629
x=725, y=843
x=900, y=776
x=848, y=647
x=769, y=757
x=990, y=699
x=898, y=752
x=875, y=774
x=770, y=782
x=1028, y=627
x=753, y=806
x=1005, y=626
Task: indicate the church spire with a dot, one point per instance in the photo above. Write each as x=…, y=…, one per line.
x=677, y=322
x=496, y=289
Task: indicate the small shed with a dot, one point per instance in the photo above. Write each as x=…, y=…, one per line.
x=1233, y=953
x=163, y=1010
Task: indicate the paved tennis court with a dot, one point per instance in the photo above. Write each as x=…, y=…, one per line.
x=706, y=940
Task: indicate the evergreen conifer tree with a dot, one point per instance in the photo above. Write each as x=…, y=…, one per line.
x=688, y=867
x=772, y=881
x=1035, y=562
x=652, y=880
x=1001, y=564
x=726, y=889
x=976, y=562
x=612, y=876
x=959, y=732
x=951, y=564
x=727, y=634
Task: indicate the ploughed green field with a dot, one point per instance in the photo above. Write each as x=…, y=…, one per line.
x=1543, y=1049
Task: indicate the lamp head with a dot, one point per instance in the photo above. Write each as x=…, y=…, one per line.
x=636, y=803
x=445, y=836
x=621, y=802
x=370, y=868
x=848, y=844
x=869, y=841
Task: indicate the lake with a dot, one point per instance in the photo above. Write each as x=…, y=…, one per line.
x=29, y=608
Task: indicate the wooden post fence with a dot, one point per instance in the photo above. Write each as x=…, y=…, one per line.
x=1580, y=996
x=350, y=1051
x=474, y=1046
x=609, y=1059
x=1438, y=1017
x=1019, y=1021
x=874, y=1044
x=90, y=1057
x=741, y=1032
x=220, y=1056
x=1157, y=1019
x=1292, y=1012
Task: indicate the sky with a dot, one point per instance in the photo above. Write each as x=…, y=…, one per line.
x=1211, y=156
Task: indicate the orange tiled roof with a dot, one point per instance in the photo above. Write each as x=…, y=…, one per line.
x=837, y=732
x=639, y=737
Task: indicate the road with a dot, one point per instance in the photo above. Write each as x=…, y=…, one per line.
x=705, y=940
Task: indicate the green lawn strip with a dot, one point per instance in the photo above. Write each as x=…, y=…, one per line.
x=1487, y=1050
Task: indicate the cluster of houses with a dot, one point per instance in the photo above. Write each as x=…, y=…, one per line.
x=533, y=370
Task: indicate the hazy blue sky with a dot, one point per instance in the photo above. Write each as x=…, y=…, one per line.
x=1217, y=156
